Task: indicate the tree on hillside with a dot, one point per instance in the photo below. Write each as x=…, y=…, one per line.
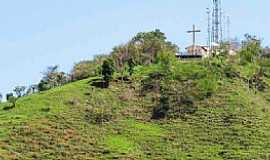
x=251, y=49
x=107, y=70
x=8, y=95
x=52, y=78
x=142, y=49
x=84, y=69
x=32, y=89
x=121, y=54
x=19, y=90
x=11, y=99
x=151, y=43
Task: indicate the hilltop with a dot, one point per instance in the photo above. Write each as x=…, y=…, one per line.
x=169, y=110
x=141, y=102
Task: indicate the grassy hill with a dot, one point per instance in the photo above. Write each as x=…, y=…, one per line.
x=79, y=121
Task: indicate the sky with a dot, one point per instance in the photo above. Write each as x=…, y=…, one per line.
x=35, y=34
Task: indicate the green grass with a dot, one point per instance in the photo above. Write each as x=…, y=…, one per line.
x=231, y=124
x=120, y=144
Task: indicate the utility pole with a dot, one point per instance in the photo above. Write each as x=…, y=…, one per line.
x=194, y=31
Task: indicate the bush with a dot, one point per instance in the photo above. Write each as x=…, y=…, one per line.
x=176, y=99
x=100, y=84
x=98, y=115
x=257, y=82
x=207, y=86
x=265, y=66
x=230, y=71
x=161, y=111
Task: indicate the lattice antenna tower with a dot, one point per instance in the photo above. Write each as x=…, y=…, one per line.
x=209, y=39
x=217, y=22
x=220, y=22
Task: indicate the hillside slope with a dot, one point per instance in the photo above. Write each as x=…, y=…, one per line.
x=78, y=121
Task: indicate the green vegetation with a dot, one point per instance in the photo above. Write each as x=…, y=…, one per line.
x=107, y=70
x=157, y=107
x=52, y=78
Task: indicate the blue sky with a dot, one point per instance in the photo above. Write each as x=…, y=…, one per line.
x=37, y=33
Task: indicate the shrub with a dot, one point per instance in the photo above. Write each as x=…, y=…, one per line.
x=265, y=66
x=161, y=110
x=98, y=115
x=257, y=82
x=207, y=86
x=176, y=100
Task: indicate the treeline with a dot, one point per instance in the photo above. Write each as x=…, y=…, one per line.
x=142, y=49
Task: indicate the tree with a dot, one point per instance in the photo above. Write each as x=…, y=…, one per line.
x=251, y=49
x=32, y=89
x=11, y=99
x=107, y=70
x=84, y=69
x=151, y=43
x=19, y=90
x=9, y=95
x=142, y=49
x=52, y=78
x=43, y=85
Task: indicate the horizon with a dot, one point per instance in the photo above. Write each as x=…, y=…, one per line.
x=40, y=34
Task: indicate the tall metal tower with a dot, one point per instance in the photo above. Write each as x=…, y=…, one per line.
x=208, y=27
x=221, y=21
x=217, y=24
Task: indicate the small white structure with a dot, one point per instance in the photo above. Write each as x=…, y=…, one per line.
x=198, y=50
